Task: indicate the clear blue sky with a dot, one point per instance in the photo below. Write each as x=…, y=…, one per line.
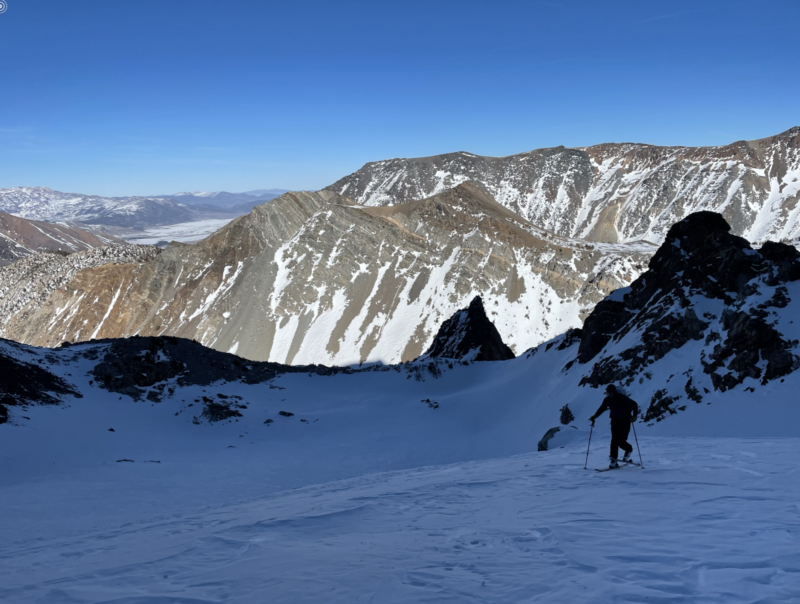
x=121, y=98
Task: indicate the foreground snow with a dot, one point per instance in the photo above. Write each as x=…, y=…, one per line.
x=367, y=493
x=709, y=520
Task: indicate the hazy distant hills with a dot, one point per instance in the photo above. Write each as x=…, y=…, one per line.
x=135, y=213
x=223, y=199
x=612, y=192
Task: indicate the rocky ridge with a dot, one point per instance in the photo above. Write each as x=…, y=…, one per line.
x=316, y=278
x=20, y=237
x=613, y=192
x=27, y=284
x=716, y=312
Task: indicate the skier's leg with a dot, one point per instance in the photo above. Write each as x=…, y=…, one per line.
x=624, y=431
x=614, y=450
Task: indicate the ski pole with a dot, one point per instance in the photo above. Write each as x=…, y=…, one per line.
x=587, y=447
x=637, y=444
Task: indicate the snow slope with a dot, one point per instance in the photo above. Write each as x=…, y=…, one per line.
x=422, y=481
x=378, y=495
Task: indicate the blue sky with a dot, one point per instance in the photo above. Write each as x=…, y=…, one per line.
x=122, y=98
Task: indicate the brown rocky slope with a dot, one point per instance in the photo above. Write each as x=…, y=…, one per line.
x=315, y=278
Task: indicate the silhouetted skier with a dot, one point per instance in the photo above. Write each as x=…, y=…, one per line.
x=623, y=412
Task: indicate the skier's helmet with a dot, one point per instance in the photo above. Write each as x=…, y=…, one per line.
x=611, y=389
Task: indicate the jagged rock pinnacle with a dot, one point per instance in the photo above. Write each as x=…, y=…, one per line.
x=469, y=335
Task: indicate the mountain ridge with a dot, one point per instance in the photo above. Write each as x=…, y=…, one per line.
x=612, y=192
x=314, y=277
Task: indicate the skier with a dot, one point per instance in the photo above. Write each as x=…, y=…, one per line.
x=623, y=412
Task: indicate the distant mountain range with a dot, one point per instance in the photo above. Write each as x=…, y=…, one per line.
x=136, y=213
x=612, y=192
x=366, y=270
x=227, y=200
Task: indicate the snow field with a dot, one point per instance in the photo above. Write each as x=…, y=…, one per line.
x=378, y=497
x=709, y=520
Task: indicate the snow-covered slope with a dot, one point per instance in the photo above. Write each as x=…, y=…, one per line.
x=613, y=192
x=182, y=474
x=315, y=278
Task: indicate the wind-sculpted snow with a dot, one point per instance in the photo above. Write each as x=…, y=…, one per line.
x=613, y=192
x=157, y=469
x=314, y=278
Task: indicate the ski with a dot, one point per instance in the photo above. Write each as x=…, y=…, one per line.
x=622, y=464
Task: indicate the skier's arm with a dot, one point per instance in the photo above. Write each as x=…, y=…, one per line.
x=602, y=409
x=634, y=410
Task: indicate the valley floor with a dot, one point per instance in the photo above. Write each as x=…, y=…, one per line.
x=186, y=232
x=708, y=520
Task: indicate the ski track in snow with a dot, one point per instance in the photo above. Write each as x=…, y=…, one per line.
x=709, y=520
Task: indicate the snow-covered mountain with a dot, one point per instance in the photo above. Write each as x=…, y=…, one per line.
x=613, y=192
x=158, y=469
x=315, y=278
x=41, y=203
x=20, y=238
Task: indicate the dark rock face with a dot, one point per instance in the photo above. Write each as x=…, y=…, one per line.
x=215, y=412
x=542, y=444
x=27, y=384
x=700, y=265
x=469, y=335
x=133, y=365
x=608, y=317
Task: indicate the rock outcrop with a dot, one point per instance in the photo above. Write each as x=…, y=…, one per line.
x=469, y=335
x=704, y=287
x=142, y=366
x=613, y=192
x=25, y=383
